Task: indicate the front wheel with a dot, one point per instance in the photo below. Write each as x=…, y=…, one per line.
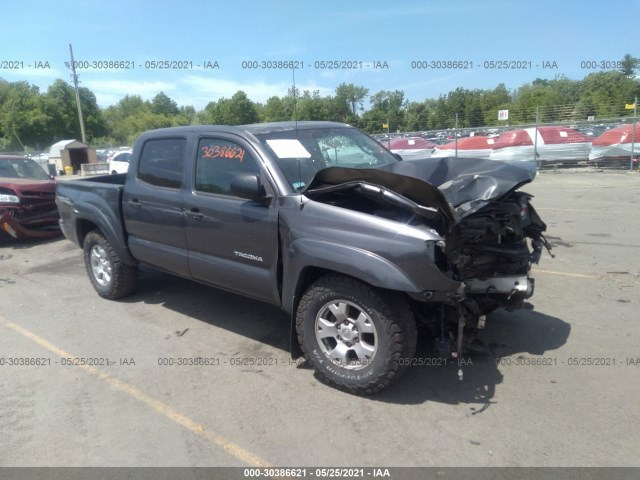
x=356, y=338
x=110, y=277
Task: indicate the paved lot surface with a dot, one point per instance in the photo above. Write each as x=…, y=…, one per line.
x=566, y=394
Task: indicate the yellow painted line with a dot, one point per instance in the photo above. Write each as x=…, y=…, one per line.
x=161, y=408
x=577, y=275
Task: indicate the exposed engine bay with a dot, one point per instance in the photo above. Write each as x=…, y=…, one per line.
x=491, y=233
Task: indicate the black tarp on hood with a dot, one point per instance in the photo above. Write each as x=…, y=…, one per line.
x=463, y=185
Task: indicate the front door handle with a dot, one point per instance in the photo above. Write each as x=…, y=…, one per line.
x=194, y=213
x=134, y=202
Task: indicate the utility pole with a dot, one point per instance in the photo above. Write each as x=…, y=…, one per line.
x=535, y=139
x=455, y=134
x=633, y=131
x=74, y=77
x=388, y=125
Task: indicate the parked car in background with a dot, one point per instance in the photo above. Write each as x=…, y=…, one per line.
x=615, y=146
x=554, y=144
x=119, y=163
x=477, y=146
x=411, y=148
x=27, y=199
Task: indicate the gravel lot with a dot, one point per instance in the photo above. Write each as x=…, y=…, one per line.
x=565, y=393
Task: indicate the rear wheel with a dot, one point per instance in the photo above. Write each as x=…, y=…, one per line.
x=110, y=277
x=357, y=338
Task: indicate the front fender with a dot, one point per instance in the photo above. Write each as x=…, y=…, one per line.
x=348, y=260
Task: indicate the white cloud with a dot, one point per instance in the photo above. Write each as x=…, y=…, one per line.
x=204, y=90
x=109, y=92
x=193, y=90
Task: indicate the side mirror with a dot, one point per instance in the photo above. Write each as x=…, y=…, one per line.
x=247, y=185
x=398, y=157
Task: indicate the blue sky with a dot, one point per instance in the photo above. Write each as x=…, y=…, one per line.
x=396, y=33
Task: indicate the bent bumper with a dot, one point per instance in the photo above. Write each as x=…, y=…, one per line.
x=45, y=226
x=515, y=285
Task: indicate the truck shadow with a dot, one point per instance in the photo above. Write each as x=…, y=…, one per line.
x=520, y=339
x=249, y=318
x=515, y=338
x=10, y=243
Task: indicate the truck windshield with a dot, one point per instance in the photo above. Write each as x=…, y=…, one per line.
x=302, y=153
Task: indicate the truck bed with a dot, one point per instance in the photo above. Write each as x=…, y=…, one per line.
x=89, y=203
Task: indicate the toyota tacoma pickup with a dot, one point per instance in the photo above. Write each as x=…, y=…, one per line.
x=317, y=218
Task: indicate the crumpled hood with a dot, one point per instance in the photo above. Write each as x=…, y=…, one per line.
x=460, y=185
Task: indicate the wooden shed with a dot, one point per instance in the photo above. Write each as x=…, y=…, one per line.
x=71, y=153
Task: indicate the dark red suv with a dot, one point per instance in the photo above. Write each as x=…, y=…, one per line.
x=27, y=199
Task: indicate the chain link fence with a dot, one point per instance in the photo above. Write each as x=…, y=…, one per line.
x=612, y=144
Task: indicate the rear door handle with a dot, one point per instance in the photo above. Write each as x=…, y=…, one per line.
x=194, y=213
x=134, y=203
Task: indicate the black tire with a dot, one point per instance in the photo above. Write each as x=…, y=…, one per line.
x=364, y=365
x=110, y=277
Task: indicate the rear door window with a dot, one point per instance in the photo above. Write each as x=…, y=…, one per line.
x=161, y=162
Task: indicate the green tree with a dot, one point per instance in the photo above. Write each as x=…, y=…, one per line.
x=130, y=105
x=23, y=120
x=188, y=113
x=493, y=100
x=161, y=104
x=372, y=121
x=608, y=92
x=121, y=118
x=241, y=110
x=442, y=116
x=352, y=96
x=629, y=65
x=61, y=107
x=132, y=115
x=238, y=110
x=417, y=117
x=274, y=110
x=386, y=107
x=311, y=106
x=94, y=121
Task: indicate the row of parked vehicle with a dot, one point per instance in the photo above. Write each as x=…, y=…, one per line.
x=546, y=144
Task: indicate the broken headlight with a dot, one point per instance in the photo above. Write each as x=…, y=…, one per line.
x=8, y=196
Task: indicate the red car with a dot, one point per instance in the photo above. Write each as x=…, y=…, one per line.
x=27, y=199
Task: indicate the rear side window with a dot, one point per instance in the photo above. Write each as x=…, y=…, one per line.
x=161, y=162
x=218, y=162
x=123, y=157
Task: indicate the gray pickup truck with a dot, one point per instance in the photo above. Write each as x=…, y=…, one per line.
x=320, y=219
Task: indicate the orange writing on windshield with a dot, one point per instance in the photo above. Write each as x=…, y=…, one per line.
x=224, y=151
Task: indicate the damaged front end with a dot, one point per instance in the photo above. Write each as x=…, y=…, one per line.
x=492, y=250
x=491, y=234
x=28, y=214
x=25, y=227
